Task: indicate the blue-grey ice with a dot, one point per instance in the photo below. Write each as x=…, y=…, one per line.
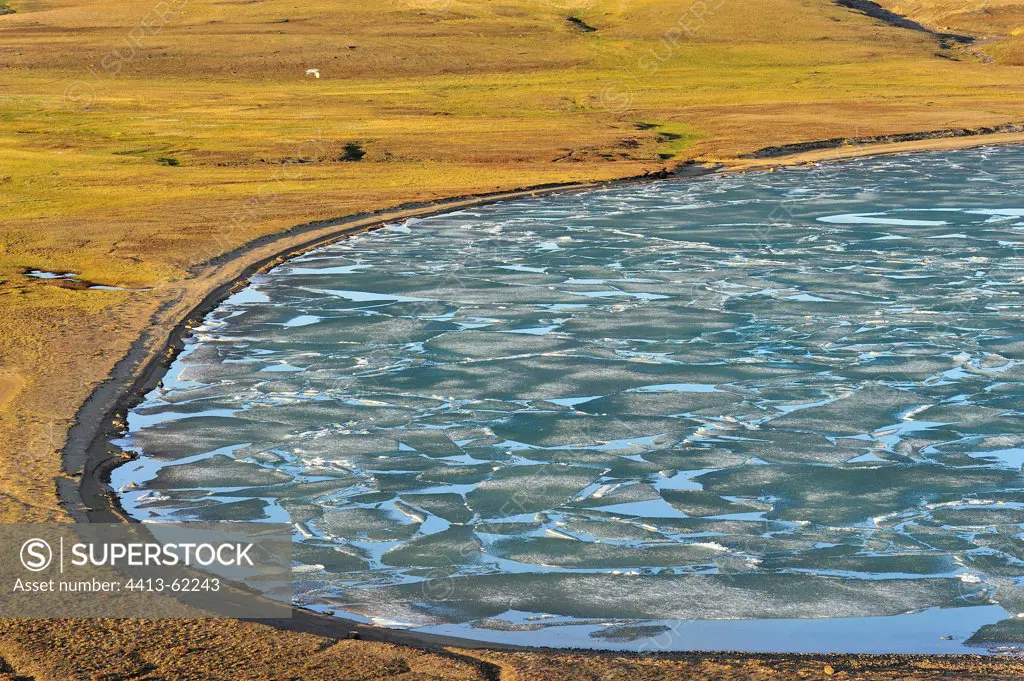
x=789, y=401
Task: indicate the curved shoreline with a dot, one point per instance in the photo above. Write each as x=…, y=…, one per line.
x=88, y=453
x=90, y=457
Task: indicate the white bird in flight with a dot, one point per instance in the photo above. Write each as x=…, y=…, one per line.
x=313, y=72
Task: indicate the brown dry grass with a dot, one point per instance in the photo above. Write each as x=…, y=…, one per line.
x=998, y=24
x=131, y=162
x=210, y=649
x=726, y=667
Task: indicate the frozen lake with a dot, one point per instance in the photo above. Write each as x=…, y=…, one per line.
x=788, y=402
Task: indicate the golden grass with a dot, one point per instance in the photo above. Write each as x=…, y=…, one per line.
x=998, y=24
x=139, y=138
x=480, y=96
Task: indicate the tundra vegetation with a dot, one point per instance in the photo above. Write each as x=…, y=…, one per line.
x=140, y=138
